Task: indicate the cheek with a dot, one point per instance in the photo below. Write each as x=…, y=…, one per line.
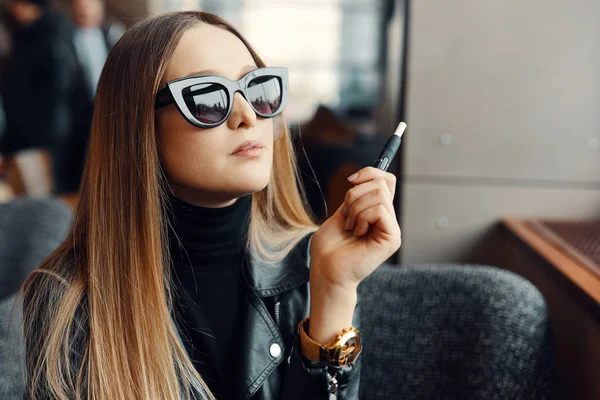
x=199, y=159
x=184, y=150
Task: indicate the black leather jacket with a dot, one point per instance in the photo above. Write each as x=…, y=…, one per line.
x=278, y=301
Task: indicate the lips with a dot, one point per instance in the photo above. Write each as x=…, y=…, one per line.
x=248, y=145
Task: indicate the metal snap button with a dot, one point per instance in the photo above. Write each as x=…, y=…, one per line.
x=275, y=350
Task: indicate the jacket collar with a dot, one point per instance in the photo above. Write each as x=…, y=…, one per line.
x=270, y=279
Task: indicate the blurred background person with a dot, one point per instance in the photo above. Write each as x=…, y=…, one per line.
x=93, y=37
x=38, y=85
x=328, y=143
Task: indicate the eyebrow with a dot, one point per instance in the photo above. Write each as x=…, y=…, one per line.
x=245, y=70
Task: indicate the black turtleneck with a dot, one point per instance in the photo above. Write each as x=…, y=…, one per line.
x=207, y=250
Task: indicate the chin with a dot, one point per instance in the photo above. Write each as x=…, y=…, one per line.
x=253, y=185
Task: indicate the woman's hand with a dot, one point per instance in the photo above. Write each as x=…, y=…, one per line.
x=361, y=235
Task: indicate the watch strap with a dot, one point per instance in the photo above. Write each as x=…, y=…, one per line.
x=333, y=353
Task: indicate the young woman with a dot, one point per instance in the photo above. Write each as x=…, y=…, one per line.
x=186, y=273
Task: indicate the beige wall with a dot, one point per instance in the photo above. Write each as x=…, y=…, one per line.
x=503, y=109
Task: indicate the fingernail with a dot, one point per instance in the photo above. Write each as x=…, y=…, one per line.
x=347, y=226
x=352, y=177
x=345, y=211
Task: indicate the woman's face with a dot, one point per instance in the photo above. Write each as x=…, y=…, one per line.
x=201, y=164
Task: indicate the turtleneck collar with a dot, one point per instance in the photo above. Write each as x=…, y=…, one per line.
x=209, y=238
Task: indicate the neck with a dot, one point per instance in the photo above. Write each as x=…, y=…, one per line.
x=203, y=236
x=204, y=199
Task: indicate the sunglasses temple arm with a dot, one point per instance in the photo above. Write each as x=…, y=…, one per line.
x=163, y=98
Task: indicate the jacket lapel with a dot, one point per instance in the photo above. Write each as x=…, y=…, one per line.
x=260, y=332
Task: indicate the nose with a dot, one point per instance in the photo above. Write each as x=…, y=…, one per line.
x=242, y=114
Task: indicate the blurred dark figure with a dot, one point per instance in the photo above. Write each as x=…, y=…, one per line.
x=2, y=121
x=38, y=85
x=336, y=147
x=93, y=39
x=329, y=146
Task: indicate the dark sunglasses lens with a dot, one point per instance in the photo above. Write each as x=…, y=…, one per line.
x=207, y=102
x=264, y=93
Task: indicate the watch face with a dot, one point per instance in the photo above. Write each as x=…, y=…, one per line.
x=348, y=348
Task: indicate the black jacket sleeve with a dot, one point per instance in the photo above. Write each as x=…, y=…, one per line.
x=317, y=381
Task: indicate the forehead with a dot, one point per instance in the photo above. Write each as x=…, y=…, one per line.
x=207, y=47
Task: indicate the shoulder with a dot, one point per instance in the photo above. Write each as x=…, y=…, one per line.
x=295, y=266
x=62, y=25
x=50, y=291
x=49, y=295
x=273, y=278
x=52, y=304
x=113, y=31
x=298, y=259
x=60, y=36
x=58, y=27
x=301, y=252
x=43, y=292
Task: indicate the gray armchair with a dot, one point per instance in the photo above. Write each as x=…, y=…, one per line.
x=30, y=229
x=454, y=332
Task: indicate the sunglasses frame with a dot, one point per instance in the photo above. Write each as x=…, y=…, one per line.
x=173, y=93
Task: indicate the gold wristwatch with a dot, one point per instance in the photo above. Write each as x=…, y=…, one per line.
x=341, y=351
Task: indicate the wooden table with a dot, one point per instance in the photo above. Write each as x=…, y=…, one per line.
x=572, y=292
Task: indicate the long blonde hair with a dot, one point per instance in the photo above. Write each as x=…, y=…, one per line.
x=112, y=267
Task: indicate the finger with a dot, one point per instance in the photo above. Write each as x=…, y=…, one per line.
x=385, y=227
x=358, y=191
x=370, y=173
x=373, y=198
